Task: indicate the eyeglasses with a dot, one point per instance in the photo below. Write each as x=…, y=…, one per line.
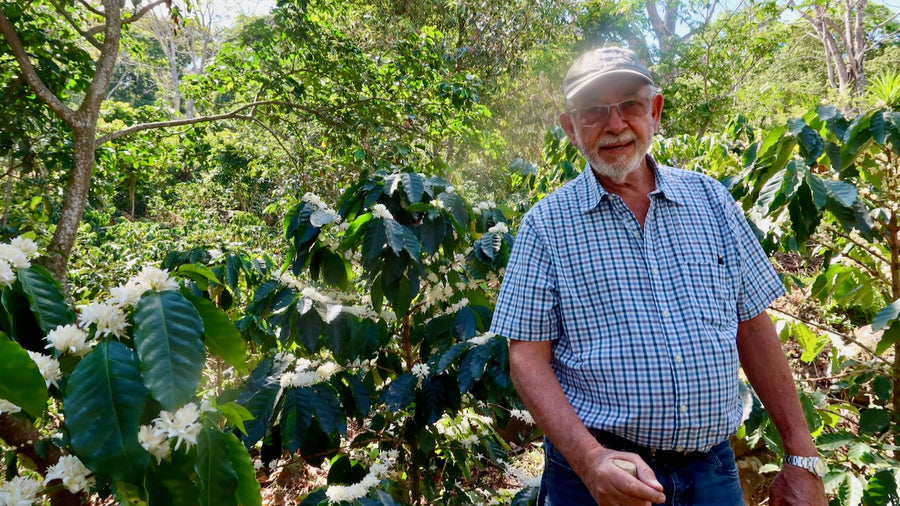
x=628, y=109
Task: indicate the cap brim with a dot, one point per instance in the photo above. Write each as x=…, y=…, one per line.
x=593, y=78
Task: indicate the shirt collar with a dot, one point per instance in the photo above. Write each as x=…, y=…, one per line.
x=592, y=192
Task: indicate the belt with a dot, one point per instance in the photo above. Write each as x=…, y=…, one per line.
x=618, y=443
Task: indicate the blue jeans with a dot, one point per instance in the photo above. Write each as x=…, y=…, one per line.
x=695, y=479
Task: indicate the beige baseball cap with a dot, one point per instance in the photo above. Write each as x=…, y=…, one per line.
x=599, y=63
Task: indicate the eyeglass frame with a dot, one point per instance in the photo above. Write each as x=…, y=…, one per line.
x=648, y=99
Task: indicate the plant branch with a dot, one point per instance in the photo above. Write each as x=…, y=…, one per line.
x=30, y=74
x=130, y=19
x=844, y=337
x=235, y=114
x=68, y=17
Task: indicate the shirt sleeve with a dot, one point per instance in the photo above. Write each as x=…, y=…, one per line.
x=528, y=306
x=759, y=285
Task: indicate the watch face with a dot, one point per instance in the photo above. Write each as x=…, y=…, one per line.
x=820, y=467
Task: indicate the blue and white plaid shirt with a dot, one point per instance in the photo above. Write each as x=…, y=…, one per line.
x=643, y=322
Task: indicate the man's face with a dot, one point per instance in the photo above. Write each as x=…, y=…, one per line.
x=613, y=124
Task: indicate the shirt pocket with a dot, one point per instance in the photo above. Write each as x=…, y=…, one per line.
x=707, y=292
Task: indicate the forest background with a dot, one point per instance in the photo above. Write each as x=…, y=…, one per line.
x=253, y=259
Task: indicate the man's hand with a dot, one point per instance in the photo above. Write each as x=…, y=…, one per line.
x=610, y=484
x=797, y=487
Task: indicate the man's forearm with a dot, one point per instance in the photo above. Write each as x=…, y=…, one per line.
x=765, y=365
x=539, y=389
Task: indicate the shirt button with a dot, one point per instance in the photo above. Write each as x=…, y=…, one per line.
x=678, y=359
x=679, y=449
x=655, y=270
x=683, y=408
x=665, y=314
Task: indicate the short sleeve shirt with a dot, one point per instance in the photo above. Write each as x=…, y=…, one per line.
x=643, y=322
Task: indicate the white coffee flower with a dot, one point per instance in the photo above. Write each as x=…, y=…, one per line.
x=7, y=274
x=16, y=257
x=499, y=228
x=25, y=245
x=182, y=425
x=157, y=279
x=380, y=211
x=69, y=339
x=128, y=294
x=378, y=470
x=20, y=491
x=48, y=366
x=313, y=199
x=482, y=338
x=299, y=378
x=421, y=371
x=72, y=472
x=523, y=415
x=327, y=370
x=109, y=317
x=154, y=442
x=8, y=407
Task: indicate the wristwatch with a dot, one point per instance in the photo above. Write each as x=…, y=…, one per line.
x=811, y=464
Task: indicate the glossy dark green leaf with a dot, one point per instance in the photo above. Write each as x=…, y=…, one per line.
x=22, y=382
x=45, y=298
x=449, y=356
x=248, y=489
x=834, y=440
x=472, y=367
x=414, y=185
x=881, y=489
x=890, y=338
x=887, y=315
x=218, y=479
x=400, y=393
x=167, y=337
x=220, y=335
x=259, y=395
x=874, y=420
x=465, y=324
x=103, y=406
x=400, y=238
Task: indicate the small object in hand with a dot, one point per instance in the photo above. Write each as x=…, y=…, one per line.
x=626, y=466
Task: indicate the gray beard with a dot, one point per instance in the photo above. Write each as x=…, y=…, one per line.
x=619, y=169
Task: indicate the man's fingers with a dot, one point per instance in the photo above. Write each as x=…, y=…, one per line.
x=642, y=483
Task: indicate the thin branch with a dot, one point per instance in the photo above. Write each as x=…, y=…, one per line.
x=91, y=8
x=68, y=17
x=30, y=74
x=274, y=135
x=235, y=114
x=844, y=337
x=130, y=19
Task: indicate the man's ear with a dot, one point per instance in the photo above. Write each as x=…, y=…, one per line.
x=657, y=110
x=568, y=126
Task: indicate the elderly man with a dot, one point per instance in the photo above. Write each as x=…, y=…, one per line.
x=632, y=296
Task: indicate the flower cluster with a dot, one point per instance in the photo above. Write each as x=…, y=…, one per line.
x=8, y=407
x=19, y=491
x=305, y=373
x=523, y=415
x=483, y=206
x=482, y=338
x=182, y=426
x=499, y=229
x=468, y=427
x=378, y=470
x=48, y=366
x=74, y=475
x=421, y=371
x=380, y=211
x=69, y=339
x=16, y=254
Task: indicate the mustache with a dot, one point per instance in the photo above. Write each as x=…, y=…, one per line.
x=623, y=138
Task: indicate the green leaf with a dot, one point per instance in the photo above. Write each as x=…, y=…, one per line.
x=129, y=494
x=199, y=274
x=472, y=367
x=236, y=415
x=167, y=337
x=770, y=191
x=103, y=406
x=844, y=193
x=328, y=410
x=881, y=489
x=248, y=490
x=218, y=479
x=887, y=315
x=890, y=337
x=874, y=420
x=465, y=324
x=400, y=393
x=22, y=384
x=414, y=185
x=835, y=440
x=400, y=238
x=526, y=497
x=259, y=395
x=220, y=335
x=45, y=298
